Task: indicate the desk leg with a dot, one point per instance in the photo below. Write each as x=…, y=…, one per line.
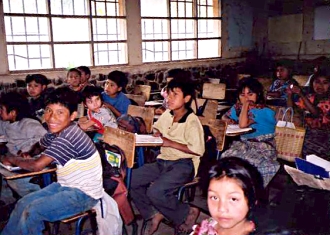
x=140, y=153
x=47, y=179
x=128, y=178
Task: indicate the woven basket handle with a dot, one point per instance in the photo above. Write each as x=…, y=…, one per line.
x=285, y=114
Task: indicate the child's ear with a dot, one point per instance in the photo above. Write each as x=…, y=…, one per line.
x=74, y=115
x=120, y=88
x=44, y=87
x=187, y=98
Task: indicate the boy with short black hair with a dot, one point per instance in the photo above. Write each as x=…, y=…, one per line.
x=85, y=76
x=98, y=115
x=22, y=133
x=177, y=163
x=113, y=95
x=79, y=170
x=73, y=79
x=36, y=86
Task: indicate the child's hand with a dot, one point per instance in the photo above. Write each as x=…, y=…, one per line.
x=166, y=142
x=25, y=155
x=157, y=134
x=5, y=161
x=295, y=89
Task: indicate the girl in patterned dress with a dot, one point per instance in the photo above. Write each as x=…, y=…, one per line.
x=258, y=147
x=232, y=195
x=316, y=109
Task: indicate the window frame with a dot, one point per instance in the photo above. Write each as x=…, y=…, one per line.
x=196, y=39
x=92, y=43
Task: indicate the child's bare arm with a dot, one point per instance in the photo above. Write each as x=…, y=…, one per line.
x=176, y=145
x=113, y=109
x=85, y=124
x=30, y=164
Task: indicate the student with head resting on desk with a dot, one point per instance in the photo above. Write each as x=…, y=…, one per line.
x=316, y=108
x=76, y=158
x=113, y=95
x=257, y=147
x=233, y=191
x=21, y=132
x=98, y=116
x=153, y=185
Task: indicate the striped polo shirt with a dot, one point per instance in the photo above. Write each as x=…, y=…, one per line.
x=78, y=161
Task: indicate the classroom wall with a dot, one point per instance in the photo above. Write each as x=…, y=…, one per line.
x=297, y=29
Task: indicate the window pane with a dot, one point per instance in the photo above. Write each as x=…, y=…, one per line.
x=72, y=55
x=209, y=28
x=26, y=29
x=154, y=29
x=182, y=50
x=26, y=57
x=155, y=51
x=181, y=8
x=69, y=29
x=69, y=7
x=156, y=8
x=208, y=48
x=108, y=8
x=182, y=28
x=21, y=6
x=110, y=53
x=109, y=29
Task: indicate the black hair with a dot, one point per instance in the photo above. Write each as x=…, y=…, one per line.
x=286, y=64
x=90, y=91
x=183, y=81
x=38, y=78
x=65, y=97
x=255, y=86
x=85, y=69
x=73, y=70
x=119, y=78
x=320, y=73
x=135, y=122
x=14, y=101
x=244, y=173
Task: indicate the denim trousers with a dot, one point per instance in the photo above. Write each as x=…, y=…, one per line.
x=51, y=203
x=153, y=188
x=21, y=186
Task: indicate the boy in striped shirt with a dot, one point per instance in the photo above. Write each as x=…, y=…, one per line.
x=79, y=170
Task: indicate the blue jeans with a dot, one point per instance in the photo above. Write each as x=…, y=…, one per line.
x=51, y=203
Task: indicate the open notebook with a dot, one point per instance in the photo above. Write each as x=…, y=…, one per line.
x=10, y=168
x=147, y=139
x=234, y=128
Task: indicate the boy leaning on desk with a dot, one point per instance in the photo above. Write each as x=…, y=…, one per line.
x=76, y=157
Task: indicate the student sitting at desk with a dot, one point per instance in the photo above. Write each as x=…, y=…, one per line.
x=277, y=92
x=258, y=147
x=153, y=184
x=21, y=132
x=79, y=170
x=113, y=95
x=98, y=116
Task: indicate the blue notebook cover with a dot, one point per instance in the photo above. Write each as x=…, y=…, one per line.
x=311, y=168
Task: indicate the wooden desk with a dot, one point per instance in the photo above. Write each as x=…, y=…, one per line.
x=23, y=173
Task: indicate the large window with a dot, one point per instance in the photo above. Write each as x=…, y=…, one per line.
x=180, y=29
x=48, y=34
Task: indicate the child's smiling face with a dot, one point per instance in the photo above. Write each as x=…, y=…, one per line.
x=58, y=117
x=321, y=85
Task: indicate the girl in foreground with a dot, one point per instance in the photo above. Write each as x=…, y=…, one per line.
x=232, y=194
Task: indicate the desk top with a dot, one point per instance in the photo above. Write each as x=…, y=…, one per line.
x=24, y=173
